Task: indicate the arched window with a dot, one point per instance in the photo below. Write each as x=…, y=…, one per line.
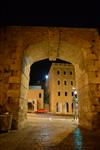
x=64, y=72
x=71, y=82
x=58, y=72
x=58, y=93
x=57, y=107
x=65, y=82
x=67, y=107
x=72, y=107
x=65, y=93
x=70, y=72
x=40, y=95
x=58, y=82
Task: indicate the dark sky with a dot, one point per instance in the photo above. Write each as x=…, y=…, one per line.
x=53, y=13
x=40, y=69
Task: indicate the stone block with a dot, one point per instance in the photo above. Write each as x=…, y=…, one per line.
x=14, y=79
x=13, y=93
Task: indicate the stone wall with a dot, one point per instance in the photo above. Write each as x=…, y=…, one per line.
x=24, y=87
x=10, y=72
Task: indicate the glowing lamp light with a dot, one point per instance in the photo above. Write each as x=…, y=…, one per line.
x=46, y=76
x=75, y=92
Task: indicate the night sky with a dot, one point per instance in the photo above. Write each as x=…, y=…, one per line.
x=40, y=69
x=53, y=13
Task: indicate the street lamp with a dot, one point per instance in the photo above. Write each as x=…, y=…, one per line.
x=75, y=92
x=46, y=76
x=75, y=104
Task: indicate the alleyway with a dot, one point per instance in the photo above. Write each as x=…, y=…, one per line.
x=43, y=132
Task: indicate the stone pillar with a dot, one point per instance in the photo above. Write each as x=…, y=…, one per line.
x=23, y=102
x=88, y=84
x=11, y=57
x=13, y=92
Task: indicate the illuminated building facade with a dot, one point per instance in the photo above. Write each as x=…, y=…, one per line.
x=61, y=81
x=35, y=98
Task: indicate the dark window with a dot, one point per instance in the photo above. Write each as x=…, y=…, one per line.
x=64, y=72
x=58, y=93
x=33, y=102
x=39, y=95
x=65, y=93
x=65, y=82
x=70, y=72
x=71, y=82
x=58, y=72
x=30, y=106
x=72, y=107
x=96, y=74
x=99, y=100
x=72, y=93
x=67, y=107
x=58, y=82
x=57, y=107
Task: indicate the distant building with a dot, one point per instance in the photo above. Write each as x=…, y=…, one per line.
x=35, y=98
x=35, y=87
x=61, y=80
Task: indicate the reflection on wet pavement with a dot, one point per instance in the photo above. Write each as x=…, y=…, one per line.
x=50, y=133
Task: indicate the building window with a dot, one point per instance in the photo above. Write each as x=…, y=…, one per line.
x=58, y=93
x=39, y=95
x=58, y=82
x=65, y=93
x=70, y=72
x=30, y=106
x=64, y=72
x=57, y=107
x=58, y=72
x=72, y=93
x=65, y=82
x=72, y=107
x=96, y=74
x=67, y=107
x=71, y=82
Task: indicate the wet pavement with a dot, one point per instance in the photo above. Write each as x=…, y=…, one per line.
x=50, y=132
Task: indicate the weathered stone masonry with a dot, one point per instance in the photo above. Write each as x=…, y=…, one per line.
x=22, y=46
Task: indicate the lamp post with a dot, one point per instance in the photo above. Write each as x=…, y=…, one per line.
x=46, y=90
x=75, y=104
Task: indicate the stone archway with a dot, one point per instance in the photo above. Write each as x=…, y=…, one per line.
x=81, y=47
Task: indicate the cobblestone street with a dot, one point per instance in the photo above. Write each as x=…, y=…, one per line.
x=48, y=132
